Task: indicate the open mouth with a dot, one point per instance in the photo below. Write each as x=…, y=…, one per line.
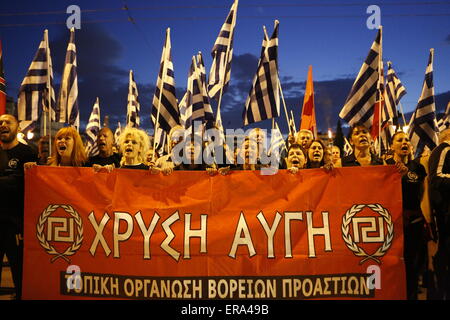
x=405, y=148
x=4, y=131
x=128, y=150
x=102, y=144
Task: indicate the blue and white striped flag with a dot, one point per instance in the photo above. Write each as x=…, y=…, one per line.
x=222, y=54
x=67, y=110
x=347, y=147
x=423, y=127
x=36, y=92
x=92, y=130
x=165, y=113
x=395, y=90
x=133, y=106
x=263, y=101
x=117, y=132
x=198, y=108
x=444, y=122
x=161, y=138
x=359, y=106
x=277, y=143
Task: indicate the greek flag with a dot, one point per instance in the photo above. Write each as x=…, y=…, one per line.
x=117, y=132
x=198, y=108
x=222, y=53
x=347, y=147
x=394, y=92
x=277, y=144
x=165, y=113
x=423, y=127
x=161, y=138
x=444, y=122
x=67, y=110
x=133, y=107
x=36, y=92
x=263, y=101
x=92, y=130
x=359, y=106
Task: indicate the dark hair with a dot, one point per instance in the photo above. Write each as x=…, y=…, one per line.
x=354, y=126
x=322, y=162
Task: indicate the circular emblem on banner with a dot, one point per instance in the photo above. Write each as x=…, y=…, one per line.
x=347, y=219
x=56, y=226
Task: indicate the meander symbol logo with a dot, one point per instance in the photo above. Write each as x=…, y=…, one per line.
x=60, y=230
x=368, y=226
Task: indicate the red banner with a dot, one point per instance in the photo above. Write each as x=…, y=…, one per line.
x=130, y=234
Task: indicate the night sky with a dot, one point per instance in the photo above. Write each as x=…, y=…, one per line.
x=332, y=36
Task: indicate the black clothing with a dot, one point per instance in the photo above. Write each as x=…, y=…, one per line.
x=112, y=159
x=11, y=208
x=137, y=166
x=415, y=247
x=350, y=161
x=412, y=184
x=12, y=184
x=439, y=171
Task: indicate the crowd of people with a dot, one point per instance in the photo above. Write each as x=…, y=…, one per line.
x=426, y=227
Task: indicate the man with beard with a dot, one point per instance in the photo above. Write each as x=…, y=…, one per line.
x=106, y=157
x=12, y=196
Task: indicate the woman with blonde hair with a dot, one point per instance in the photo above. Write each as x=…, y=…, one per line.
x=133, y=145
x=68, y=149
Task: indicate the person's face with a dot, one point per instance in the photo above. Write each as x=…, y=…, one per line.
x=360, y=138
x=176, y=138
x=304, y=139
x=296, y=158
x=335, y=153
x=259, y=136
x=401, y=144
x=248, y=152
x=64, y=145
x=105, y=141
x=130, y=147
x=149, y=157
x=315, y=152
x=43, y=149
x=192, y=150
x=8, y=128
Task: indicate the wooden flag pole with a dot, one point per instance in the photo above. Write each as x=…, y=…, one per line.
x=380, y=68
x=284, y=104
x=49, y=98
x=403, y=115
x=293, y=121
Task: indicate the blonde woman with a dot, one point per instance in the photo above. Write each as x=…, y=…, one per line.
x=133, y=144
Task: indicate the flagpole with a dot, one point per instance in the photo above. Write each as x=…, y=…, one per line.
x=161, y=89
x=284, y=103
x=403, y=115
x=380, y=74
x=49, y=98
x=293, y=121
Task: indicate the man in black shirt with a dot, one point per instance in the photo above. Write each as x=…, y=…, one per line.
x=106, y=156
x=439, y=169
x=15, y=155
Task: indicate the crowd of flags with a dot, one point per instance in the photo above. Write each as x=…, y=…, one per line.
x=373, y=99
